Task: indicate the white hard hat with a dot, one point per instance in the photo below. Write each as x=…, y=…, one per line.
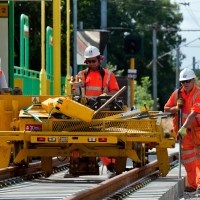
x=91, y=52
x=186, y=74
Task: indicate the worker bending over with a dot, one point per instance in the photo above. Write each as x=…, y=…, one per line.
x=189, y=95
x=97, y=81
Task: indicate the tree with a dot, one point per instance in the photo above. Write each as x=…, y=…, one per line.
x=143, y=94
x=33, y=11
x=133, y=16
x=139, y=15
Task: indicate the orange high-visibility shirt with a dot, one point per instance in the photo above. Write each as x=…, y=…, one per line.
x=191, y=100
x=95, y=86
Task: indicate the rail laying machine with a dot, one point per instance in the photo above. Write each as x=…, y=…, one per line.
x=72, y=130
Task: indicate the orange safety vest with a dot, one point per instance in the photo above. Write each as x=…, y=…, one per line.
x=98, y=82
x=189, y=100
x=190, y=145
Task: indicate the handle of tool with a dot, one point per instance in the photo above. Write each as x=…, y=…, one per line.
x=110, y=100
x=179, y=139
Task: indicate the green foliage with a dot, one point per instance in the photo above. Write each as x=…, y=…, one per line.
x=133, y=16
x=138, y=16
x=143, y=94
x=197, y=72
x=33, y=11
x=113, y=68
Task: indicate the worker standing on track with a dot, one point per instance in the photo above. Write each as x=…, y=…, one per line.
x=189, y=93
x=98, y=81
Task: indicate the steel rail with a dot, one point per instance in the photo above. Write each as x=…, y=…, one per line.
x=114, y=184
x=102, y=188
x=16, y=171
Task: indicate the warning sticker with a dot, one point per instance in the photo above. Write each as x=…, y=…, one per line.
x=33, y=127
x=35, y=100
x=3, y=10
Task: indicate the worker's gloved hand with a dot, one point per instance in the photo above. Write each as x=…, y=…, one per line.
x=176, y=108
x=182, y=131
x=180, y=103
x=84, y=100
x=104, y=94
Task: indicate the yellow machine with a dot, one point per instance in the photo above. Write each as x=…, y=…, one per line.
x=27, y=130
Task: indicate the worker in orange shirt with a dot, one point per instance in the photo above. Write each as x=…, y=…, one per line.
x=189, y=93
x=98, y=81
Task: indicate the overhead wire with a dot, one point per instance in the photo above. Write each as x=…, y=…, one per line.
x=192, y=15
x=169, y=52
x=190, y=12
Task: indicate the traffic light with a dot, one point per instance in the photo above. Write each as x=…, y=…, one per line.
x=132, y=44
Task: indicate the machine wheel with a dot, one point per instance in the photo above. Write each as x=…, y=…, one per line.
x=83, y=166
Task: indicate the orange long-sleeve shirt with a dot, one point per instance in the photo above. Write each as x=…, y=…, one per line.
x=95, y=86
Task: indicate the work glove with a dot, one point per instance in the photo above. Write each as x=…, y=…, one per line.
x=84, y=100
x=182, y=131
x=180, y=103
x=103, y=94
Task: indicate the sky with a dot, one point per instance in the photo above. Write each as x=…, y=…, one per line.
x=191, y=31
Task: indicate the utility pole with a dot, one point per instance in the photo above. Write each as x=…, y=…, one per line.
x=75, y=36
x=56, y=47
x=67, y=79
x=11, y=33
x=43, y=75
x=177, y=67
x=155, y=93
x=104, y=26
x=194, y=63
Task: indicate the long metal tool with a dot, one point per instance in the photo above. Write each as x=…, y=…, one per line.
x=179, y=139
x=124, y=115
x=148, y=115
x=179, y=104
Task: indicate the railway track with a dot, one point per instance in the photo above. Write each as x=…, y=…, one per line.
x=30, y=183
x=34, y=168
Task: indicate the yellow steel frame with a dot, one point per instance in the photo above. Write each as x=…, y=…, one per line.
x=86, y=149
x=63, y=137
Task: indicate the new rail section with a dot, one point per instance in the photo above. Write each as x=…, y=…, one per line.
x=31, y=183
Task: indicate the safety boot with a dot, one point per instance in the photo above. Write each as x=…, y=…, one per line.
x=189, y=189
x=110, y=170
